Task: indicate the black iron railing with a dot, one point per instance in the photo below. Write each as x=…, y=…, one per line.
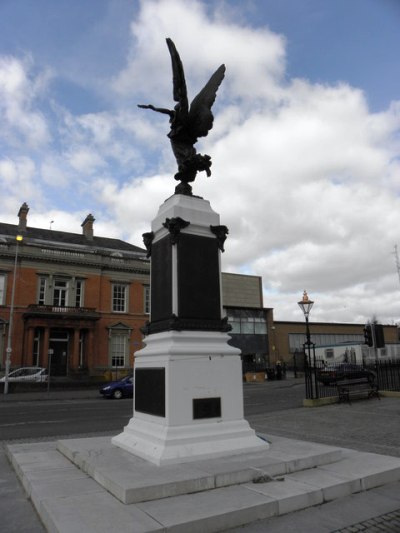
x=388, y=374
x=321, y=377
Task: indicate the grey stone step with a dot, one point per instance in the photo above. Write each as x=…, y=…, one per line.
x=132, y=479
x=69, y=500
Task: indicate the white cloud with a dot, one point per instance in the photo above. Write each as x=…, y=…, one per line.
x=300, y=171
x=205, y=42
x=53, y=172
x=85, y=160
x=18, y=90
x=17, y=177
x=305, y=176
x=133, y=205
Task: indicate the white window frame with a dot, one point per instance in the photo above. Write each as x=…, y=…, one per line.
x=63, y=296
x=119, y=350
x=118, y=300
x=42, y=289
x=146, y=299
x=79, y=292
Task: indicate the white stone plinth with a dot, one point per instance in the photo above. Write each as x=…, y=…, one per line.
x=197, y=365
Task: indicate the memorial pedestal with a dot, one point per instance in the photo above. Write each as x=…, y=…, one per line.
x=188, y=380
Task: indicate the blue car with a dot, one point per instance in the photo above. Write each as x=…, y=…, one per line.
x=122, y=388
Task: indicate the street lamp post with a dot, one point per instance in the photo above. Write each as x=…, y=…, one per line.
x=305, y=305
x=19, y=239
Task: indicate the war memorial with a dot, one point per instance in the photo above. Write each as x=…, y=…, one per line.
x=187, y=460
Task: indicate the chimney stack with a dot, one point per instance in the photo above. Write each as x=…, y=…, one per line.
x=87, y=227
x=23, y=216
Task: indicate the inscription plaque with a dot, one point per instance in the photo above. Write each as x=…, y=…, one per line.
x=150, y=391
x=206, y=408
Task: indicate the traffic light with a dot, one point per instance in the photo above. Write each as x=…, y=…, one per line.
x=368, y=335
x=379, y=336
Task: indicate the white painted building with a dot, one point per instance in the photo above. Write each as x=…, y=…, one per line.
x=356, y=353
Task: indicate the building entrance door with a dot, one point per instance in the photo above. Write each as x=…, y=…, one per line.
x=58, y=343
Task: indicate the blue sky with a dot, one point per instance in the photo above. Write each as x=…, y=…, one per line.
x=352, y=40
x=305, y=144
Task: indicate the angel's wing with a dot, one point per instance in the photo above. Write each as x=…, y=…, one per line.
x=178, y=80
x=200, y=116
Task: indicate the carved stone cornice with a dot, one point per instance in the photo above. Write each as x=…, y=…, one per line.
x=174, y=226
x=148, y=240
x=220, y=232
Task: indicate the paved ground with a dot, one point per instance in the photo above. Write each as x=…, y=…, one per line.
x=367, y=425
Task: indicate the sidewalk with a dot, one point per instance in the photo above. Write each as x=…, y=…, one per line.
x=67, y=394
x=367, y=425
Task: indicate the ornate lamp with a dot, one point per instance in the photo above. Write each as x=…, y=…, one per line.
x=305, y=304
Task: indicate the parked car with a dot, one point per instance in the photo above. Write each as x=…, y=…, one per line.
x=122, y=388
x=27, y=373
x=332, y=373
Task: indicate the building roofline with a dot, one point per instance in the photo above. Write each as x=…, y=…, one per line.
x=41, y=236
x=299, y=322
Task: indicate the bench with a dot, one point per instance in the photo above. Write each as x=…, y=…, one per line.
x=356, y=387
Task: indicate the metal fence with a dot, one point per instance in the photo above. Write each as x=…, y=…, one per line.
x=388, y=374
x=321, y=377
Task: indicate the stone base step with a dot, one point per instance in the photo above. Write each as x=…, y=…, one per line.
x=132, y=479
x=70, y=499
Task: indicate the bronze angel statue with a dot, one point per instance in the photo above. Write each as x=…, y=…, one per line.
x=188, y=124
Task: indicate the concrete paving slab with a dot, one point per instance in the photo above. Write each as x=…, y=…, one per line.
x=279, y=459
x=17, y=514
x=373, y=470
x=333, y=515
x=69, y=472
x=95, y=513
x=131, y=478
x=134, y=487
x=333, y=485
x=41, y=446
x=291, y=495
x=42, y=490
x=211, y=511
x=32, y=460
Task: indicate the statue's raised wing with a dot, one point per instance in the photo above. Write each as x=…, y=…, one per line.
x=200, y=116
x=178, y=80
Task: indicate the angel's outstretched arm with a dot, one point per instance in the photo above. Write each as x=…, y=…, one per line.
x=158, y=109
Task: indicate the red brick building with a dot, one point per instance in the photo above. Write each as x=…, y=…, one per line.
x=78, y=299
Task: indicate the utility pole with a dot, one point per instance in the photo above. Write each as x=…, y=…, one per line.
x=18, y=239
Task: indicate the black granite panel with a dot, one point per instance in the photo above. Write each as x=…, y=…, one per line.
x=206, y=408
x=198, y=277
x=161, y=279
x=150, y=391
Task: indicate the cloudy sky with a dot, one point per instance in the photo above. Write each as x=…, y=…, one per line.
x=305, y=144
